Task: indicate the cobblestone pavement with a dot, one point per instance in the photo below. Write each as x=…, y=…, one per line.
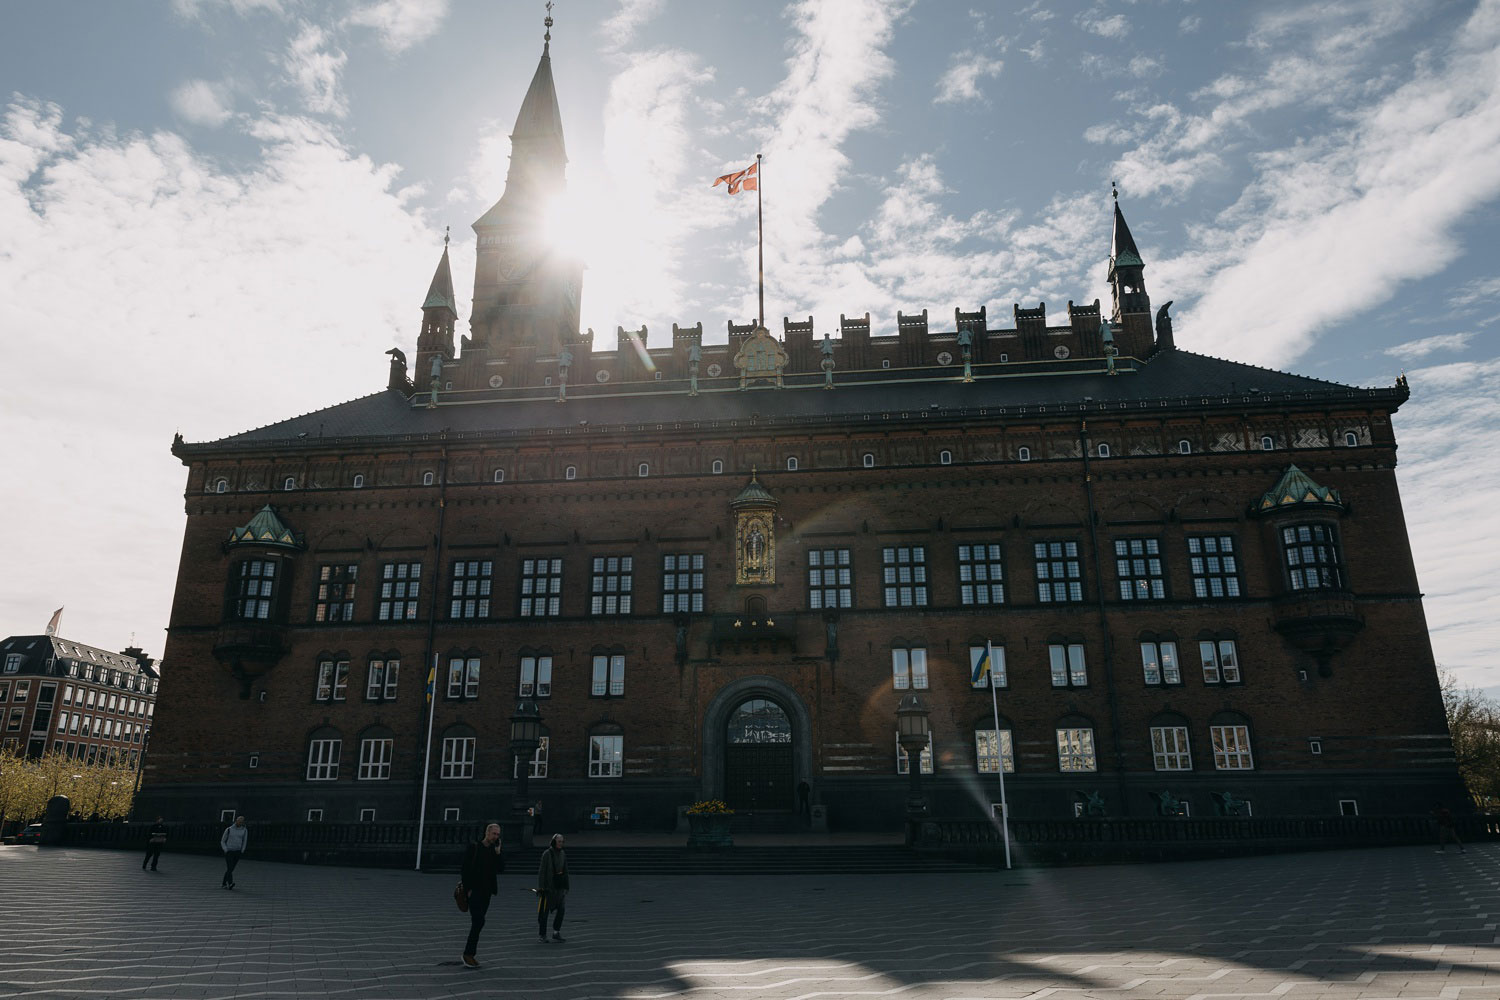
x=1400, y=922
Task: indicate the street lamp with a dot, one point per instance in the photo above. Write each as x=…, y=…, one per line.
x=525, y=737
x=913, y=733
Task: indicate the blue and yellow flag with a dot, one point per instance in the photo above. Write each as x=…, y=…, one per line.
x=431, y=682
x=983, y=666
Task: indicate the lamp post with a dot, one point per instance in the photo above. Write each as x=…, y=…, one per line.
x=525, y=737
x=913, y=733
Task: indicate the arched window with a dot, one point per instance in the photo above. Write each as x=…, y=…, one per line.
x=290, y=483
x=1103, y=450
x=1230, y=734
x=1351, y=439
x=1267, y=443
x=718, y=467
x=606, y=751
x=643, y=470
x=221, y=485
x=499, y=475
x=1171, y=749
x=992, y=746
x=458, y=753
x=1075, y=744
x=791, y=463
x=1184, y=447
x=428, y=479
x=868, y=460
x=324, y=748
x=1023, y=454
x=375, y=745
x=359, y=480
x=945, y=457
x=571, y=472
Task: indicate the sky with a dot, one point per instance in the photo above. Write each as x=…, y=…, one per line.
x=215, y=214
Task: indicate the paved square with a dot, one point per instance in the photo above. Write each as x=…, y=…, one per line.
x=1400, y=922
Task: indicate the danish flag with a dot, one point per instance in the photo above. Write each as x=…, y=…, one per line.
x=743, y=180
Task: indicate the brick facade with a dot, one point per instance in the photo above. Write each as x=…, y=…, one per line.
x=527, y=448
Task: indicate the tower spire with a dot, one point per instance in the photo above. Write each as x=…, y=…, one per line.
x=1132, y=306
x=439, y=314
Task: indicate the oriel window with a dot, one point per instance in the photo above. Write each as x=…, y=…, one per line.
x=257, y=578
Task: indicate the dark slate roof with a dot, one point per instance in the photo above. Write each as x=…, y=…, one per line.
x=1122, y=249
x=1173, y=377
x=38, y=649
x=440, y=292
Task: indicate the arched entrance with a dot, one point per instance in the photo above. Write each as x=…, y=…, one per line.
x=758, y=764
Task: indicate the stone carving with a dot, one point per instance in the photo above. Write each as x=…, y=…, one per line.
x=761, y=356
x=827, y=363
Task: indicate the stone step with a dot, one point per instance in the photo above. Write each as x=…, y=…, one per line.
x=789, y=860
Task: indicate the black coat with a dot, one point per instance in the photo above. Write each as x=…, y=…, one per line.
x=481, y=865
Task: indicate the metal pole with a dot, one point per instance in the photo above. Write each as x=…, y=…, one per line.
x=760, y=237
x=427, y=759
x=989, y=653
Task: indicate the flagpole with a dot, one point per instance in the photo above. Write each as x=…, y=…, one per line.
x=760, y=237
x=989, y=654
x=427, y=756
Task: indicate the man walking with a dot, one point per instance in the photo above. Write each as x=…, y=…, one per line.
x=552, y=889
x=232, y=843
x=156, y=839
x=1447, y=829
x=482, y=862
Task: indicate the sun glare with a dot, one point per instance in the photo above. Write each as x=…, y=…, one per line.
x=566, y=225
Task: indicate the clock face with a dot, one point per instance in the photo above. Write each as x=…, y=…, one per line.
x=602, y=375
x=512, y=265
x=944, y=358
x=496, y=381
x=714, y=370
x=1060, y=352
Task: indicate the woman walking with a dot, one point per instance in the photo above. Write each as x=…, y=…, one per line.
x=482, y=862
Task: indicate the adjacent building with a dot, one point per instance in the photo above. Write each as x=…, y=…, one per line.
x=718, y=567
x=87, y=703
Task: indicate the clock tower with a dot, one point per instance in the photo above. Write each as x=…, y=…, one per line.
x=526, y=292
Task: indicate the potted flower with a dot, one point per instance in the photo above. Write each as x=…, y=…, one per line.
x=708, y=824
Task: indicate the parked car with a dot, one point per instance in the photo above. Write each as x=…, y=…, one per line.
x=31, y=835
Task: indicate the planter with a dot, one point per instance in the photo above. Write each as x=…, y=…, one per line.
x=710, y=830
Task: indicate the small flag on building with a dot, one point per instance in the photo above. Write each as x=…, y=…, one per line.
x=431, y=682
x=982, y=667
x=55, y=623
x=743, y=180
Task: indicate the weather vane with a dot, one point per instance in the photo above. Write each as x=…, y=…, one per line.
x=1114, y=189
x=547, y=22
x=445, y=236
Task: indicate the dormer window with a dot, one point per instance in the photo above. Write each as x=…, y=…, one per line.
x=1184, y=447
x=868, y=461
x=359, y=481
x=643, y=470
x=791, y=463
x=428, y=479
x=290, y=484
x=1023, y=454
x=1103, y=450
x=571, y=472
x=718, y=467
x=1267, y=443
x=221, y=485
x=499, y=475
x=945, y=457
x=1351, y=439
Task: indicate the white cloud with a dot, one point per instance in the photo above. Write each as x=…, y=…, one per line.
x=284, y=281
x=194, y=9
x=401, y=23
x=1190, y=24
x=1411, y=350
x=620, y=27
x=201, y=103
x=1365, y=206
x=1114, y=26
x=1453, y=415
x=961, y=81
x=314, y=67
x=1036, y=51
